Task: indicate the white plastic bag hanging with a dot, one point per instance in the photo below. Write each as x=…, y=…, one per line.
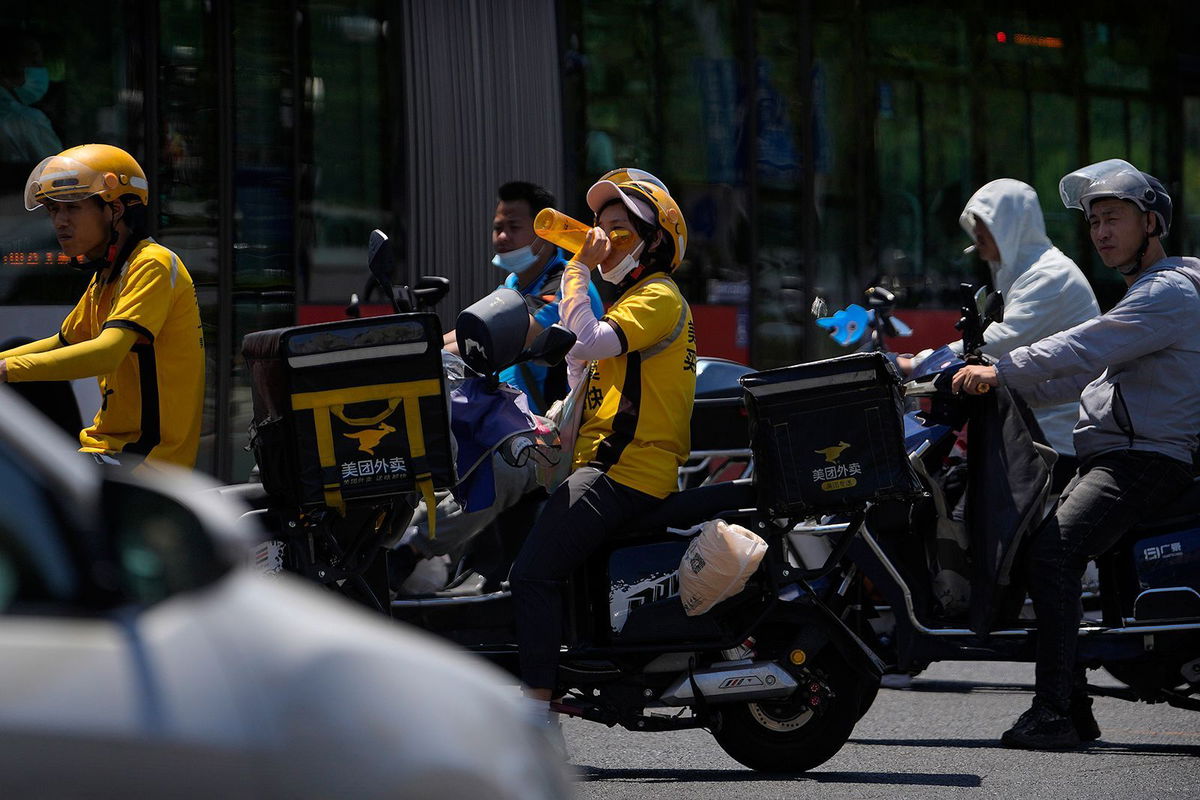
x=717, y=564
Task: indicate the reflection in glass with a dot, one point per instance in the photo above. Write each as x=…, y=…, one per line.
x=61, y=85
x=186, y=186
x=346, y=176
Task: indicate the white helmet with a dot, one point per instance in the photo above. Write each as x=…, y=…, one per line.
x=1119, y=179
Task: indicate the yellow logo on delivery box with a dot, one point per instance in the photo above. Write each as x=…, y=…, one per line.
x=836, y=475
x=370, y=438
x=832, y=454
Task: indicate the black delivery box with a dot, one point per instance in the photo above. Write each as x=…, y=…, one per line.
x=351, y=411
x=828, y=435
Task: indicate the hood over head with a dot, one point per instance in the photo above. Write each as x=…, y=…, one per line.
x=1012, y=213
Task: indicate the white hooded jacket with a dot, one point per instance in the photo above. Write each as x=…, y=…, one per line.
x=1044, y=291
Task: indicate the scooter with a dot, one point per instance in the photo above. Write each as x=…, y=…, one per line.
x=776, y=677
x=863, y=329
x=891, y=587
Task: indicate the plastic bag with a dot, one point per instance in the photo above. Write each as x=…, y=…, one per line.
x=564, y=415
x=717, y=564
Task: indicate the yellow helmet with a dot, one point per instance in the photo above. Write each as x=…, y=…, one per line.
x=86, y=171
x=626, y=183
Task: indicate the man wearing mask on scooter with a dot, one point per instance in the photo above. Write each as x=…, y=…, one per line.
x=534, y=267
x=1044, y=293
x=1139, y=415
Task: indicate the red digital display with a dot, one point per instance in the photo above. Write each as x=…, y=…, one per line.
x=36, y=259
x=1029, y=40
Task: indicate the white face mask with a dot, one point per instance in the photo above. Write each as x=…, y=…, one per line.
x=37, y=81
x=626, y=265
x=517, y=260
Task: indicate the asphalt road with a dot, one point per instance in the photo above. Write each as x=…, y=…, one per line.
x=937, y=739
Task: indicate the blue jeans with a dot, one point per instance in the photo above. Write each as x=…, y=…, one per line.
x=575, y=521
x=1111, y=493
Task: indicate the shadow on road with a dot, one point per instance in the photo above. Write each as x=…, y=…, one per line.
x=587, y=773
x=1095, y=748
x=965, y=687
x=1140, y=748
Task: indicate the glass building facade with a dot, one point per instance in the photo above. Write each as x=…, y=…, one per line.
x=816, y=147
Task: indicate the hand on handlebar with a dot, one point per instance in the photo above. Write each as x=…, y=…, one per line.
x=975, y=379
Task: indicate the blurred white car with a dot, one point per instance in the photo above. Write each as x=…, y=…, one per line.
x=138, y=658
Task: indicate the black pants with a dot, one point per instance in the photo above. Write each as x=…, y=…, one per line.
x=1111, y=493
x=575, y=521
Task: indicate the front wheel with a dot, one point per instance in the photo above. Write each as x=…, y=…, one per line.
x=802, y=731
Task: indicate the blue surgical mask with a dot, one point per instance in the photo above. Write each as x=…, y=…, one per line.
x=517, y=260
x=37, y=81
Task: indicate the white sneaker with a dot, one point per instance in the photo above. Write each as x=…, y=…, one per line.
x=558, y=742
x=548, y=724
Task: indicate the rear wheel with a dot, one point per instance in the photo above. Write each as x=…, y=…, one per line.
x=801, y=732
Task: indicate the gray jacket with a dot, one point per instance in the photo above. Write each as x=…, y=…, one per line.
x=1138, y=367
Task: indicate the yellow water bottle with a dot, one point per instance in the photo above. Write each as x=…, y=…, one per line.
x=568, y=232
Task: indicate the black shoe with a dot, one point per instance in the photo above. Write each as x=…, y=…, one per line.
x=1041, y=728
x=1083, y=719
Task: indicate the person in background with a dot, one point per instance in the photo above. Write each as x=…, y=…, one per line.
x=26, y=136
x=1135, y=371
x=534, y=268
x=1044, y=293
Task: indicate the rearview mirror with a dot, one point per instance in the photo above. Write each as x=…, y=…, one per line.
x=382, y=263
x=980, y=300
x=993, y=307
x=165, y=542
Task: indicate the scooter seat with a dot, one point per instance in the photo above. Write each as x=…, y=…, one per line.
x=1186, y=505
x=693, y=506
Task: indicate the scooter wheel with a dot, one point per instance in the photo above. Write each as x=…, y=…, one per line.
x=793, y=735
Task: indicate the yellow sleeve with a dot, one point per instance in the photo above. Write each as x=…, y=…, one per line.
x=40, y=346
x=72, y=329
x=646, y=316
x=99, y=356
x=145, y=298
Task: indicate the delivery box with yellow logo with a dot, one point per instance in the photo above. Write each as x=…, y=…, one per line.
x=828, y=435
x=351, y=411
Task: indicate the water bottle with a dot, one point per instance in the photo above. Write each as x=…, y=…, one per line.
x=568, y=233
